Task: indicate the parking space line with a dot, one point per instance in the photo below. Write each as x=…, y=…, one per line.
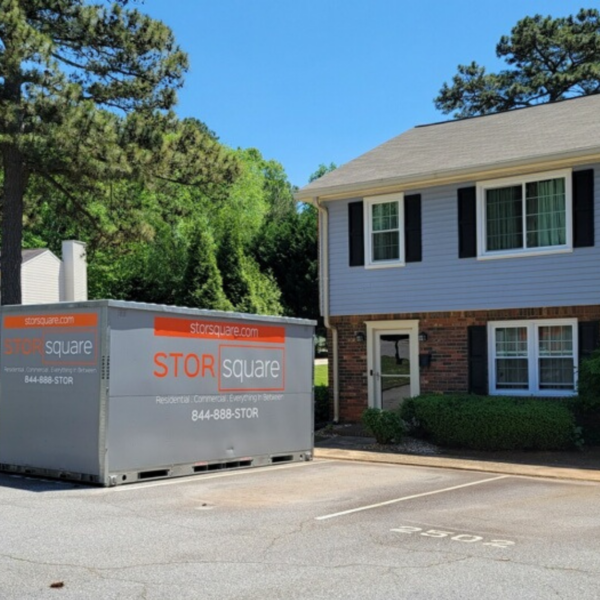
x=396, y=500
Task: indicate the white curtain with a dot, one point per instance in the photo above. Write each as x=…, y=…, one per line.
x=504, y=218
x=546, y=213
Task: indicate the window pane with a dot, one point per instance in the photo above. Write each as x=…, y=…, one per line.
x=385, y=216
x=504, y=218
x=386, y=235
x=511, y=342
x=386, y=246
x=555, y=340
x=512, y=373
x=512, y=365
x=556, y=357
x=556, y=374
x=546, y=203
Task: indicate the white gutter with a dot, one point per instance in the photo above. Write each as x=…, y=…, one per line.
x=545, y=162
x=324, y=295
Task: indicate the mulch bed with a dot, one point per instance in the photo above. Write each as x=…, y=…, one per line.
x=354, y=437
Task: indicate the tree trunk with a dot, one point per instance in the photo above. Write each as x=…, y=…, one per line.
x=12, y=225
x=15, y=181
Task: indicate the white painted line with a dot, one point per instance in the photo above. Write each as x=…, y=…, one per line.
x=200, y=477
x=396, y=500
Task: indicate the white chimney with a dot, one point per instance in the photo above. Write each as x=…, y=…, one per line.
x=74, y=271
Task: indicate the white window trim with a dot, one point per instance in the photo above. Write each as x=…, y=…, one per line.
x=368, y=204
x=532, y=357
x=483, y=186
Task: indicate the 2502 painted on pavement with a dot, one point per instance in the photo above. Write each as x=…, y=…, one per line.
x=465, y=538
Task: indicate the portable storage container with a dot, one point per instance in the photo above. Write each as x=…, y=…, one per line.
x=113, y=392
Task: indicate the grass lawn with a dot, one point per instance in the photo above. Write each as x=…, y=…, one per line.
x=320, y=374
x=390, y=366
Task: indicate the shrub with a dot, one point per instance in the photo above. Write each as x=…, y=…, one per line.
x=493, y=423
x=588, y=384
x=321, y=404
x=408, y=412
x=384, y=425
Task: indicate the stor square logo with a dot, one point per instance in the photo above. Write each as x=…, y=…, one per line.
x=251, y=368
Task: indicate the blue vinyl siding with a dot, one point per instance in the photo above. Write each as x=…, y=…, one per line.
x=443, y=282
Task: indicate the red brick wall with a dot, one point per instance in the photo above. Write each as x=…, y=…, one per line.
x=447, y=343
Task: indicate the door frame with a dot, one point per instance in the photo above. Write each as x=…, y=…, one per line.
x=405, y=327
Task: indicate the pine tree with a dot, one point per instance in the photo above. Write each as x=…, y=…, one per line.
x=85, y=98
x=550, y=59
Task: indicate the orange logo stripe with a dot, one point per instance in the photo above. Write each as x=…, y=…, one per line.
x=218, y=330
x=63, y=321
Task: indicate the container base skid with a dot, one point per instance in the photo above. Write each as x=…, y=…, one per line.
x=168, y=472
x=50, y=474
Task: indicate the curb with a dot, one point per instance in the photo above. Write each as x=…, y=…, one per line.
x=459, y=464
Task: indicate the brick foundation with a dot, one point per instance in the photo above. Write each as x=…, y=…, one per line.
x=447, y=343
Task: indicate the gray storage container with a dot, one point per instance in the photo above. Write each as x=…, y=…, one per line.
x=113, y=392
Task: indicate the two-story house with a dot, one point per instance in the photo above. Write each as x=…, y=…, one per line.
x=462, y=257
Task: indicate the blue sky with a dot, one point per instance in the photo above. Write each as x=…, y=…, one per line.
x=319, y=81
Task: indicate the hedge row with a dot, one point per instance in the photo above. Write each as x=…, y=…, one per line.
x=321, y=404
x=492, y=423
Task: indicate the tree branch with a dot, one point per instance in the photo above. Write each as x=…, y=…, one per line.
x=176, y=181
x=65, y=60
x=78, y=205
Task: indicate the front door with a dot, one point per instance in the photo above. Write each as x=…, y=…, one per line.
x=393, y=362
x=392, y=377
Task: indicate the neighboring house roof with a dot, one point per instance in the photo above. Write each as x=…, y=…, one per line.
x=549, y=134
x=32, y=253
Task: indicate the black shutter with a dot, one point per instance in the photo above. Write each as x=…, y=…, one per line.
x=583, y=208
x=356, y=234
x=467, y=223
x=588, y=338
x=478, y=367
x=412, y=228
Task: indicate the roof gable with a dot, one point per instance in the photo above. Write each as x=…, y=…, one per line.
x=32, y=253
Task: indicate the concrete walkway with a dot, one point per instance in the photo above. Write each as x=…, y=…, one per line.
x=461, y=464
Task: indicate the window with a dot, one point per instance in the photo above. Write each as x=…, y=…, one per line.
x=384, y=218
x=529, y=215
x=533, y=357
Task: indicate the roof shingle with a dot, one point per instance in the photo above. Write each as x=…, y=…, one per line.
x=529, y=134
x=32, y=253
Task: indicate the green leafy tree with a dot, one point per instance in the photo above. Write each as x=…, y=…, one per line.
x=244, y=205
x=229, y=260
x=322, y=169
x=263, y=292
x=160, y=258
x=287, y=245
x=202, y=285
x=279, y=192
x=247, y=288
x=85, y=96
x=149, y=271
x=549, y=59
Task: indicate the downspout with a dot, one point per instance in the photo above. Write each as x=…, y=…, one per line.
x=324, y=289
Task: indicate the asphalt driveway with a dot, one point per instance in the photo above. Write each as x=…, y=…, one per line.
x=324, y=529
